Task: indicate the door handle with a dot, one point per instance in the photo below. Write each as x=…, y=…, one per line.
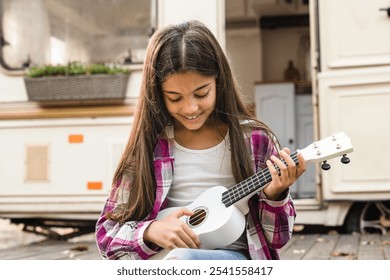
x=385, y=9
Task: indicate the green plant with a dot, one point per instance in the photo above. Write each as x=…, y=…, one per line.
x=73, y=68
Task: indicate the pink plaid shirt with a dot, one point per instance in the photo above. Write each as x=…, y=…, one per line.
x=269, y=223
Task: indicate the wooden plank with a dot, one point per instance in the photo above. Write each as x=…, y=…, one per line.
x=370, y=247
x=322, y=248
x=346, y=248
x=301, y=245
x=386, y=246
x=68, y=251
x=89, y=251
x=34, y=251
x=90, y=255
x=53, y=250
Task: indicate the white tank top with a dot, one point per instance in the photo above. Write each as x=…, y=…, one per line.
x=198, y=170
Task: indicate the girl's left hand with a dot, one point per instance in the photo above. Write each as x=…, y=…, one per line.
x=289, y=173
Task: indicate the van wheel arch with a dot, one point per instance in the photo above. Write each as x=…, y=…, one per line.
x=368, y=217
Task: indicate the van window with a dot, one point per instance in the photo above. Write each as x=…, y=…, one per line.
x=42, y=32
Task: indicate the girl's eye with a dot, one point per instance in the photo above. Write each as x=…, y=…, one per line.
x=198, y=96
x=202, y=95
x=174, y=100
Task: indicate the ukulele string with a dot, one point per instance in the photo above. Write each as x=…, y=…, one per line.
x=237, y=192
x=261, y=178
x=198, y=216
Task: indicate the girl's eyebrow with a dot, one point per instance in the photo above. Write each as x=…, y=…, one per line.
x=198, y=88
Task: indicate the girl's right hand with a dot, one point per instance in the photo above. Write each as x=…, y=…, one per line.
x=171, y=233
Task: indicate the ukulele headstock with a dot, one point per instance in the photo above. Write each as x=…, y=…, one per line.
x=339, y=144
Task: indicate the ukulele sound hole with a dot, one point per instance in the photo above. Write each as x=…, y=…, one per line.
x=198, y=217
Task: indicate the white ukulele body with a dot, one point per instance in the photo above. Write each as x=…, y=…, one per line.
x=216, y=225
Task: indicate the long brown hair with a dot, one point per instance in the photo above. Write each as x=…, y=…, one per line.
x=189, y=46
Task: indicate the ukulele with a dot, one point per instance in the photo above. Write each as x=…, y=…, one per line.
x=219, y=213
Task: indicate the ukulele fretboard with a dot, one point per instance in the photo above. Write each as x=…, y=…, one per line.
x=254, y=183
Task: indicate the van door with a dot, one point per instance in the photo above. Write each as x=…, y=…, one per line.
x=351, y=51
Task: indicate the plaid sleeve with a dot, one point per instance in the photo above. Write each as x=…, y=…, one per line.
x=116, y=241
x=277, y=220
x=276, y=217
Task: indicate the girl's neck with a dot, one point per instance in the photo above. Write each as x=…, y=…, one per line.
x=208, y=136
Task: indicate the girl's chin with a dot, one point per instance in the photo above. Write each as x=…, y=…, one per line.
x=194, y=124
x=191, y=126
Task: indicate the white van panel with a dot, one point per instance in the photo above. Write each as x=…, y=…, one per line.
x=81, y=158
x=357, y=102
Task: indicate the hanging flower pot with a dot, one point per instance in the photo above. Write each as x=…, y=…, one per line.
x=76, y=83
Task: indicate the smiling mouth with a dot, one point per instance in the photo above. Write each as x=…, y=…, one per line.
x=191, y=117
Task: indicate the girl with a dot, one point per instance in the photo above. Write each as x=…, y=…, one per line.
x=192, y=131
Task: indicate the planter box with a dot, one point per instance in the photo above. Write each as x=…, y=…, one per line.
x=82, y=87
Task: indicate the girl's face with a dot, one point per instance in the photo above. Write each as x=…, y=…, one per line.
x=190, y=98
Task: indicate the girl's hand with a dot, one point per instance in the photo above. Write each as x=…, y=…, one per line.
x=171, y=233
x=289, y=173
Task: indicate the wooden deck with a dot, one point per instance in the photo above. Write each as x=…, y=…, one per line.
x=300, y=247
x=54, y=250
x=337, y=247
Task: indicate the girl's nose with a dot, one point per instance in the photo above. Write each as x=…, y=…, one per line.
x=190, y=106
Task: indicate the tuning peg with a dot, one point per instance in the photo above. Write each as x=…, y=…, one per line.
x=345, y=159
x=325, y=166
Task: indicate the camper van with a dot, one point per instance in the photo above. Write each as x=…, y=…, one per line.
x=309, y=69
